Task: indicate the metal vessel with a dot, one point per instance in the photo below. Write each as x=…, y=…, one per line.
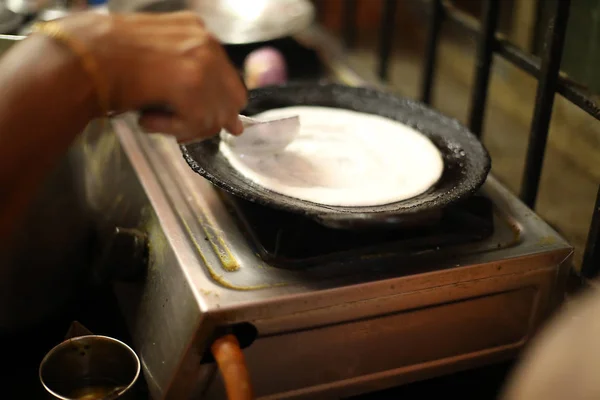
x=236, y=21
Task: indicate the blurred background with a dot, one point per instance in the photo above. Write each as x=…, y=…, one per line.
x=572, y=169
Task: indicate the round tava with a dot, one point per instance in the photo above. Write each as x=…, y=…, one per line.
x=466, y=161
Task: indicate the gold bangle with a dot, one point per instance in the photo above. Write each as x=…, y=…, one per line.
x=54, y=30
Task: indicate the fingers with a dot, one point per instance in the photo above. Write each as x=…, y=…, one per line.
x=234, y=126
x=157, y=123
x=238, y=98
x=213, y=97
x=185, y=16
x=173, y=125
x=183, y=67
x=182, y=130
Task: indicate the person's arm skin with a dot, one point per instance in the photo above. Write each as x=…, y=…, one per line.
x=46, y=100
x=47, y=97
x=563, y=360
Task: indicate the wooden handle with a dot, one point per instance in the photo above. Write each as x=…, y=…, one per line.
x=231, y=362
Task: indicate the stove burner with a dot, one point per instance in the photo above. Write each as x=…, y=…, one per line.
x=288, y=240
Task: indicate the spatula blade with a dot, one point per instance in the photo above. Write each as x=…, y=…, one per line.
x=264, y=136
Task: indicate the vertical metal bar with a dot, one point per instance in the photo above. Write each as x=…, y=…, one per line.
x=433, y=36
x=349, y=22
x=388, y=19
x=538, y=136
x=485, y=52
x=537, y=27
x=591, y=257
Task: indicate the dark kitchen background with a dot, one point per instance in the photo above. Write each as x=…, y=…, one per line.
x=571, y=169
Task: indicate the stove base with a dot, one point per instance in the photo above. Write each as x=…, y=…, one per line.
x=329, y=331
x=398, y=339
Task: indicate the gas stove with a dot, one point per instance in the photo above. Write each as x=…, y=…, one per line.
x=320, y=313
x=288, y=240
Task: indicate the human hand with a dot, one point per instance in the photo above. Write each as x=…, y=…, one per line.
x=166, y=60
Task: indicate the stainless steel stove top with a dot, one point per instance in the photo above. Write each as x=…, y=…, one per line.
x=319, y=330
x=329, y=331
x=211, y=237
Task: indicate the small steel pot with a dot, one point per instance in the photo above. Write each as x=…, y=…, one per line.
x=90, y=367
x=26, y=7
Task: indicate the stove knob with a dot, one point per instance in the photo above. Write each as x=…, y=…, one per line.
x=124, y=256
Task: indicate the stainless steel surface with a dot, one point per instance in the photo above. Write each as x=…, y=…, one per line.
x=32, y=7
x=264, y=135
x=236, y=21
x=9, y=20
x=45, y=15
x=90, y=367
x=26, y=7
x=242, y=21
x=325, y=332
x=52, y=13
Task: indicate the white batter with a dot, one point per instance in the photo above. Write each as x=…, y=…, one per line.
x=344, y=158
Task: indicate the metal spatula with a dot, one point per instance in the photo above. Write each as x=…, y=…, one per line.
x=264, y=135
x=259, y=135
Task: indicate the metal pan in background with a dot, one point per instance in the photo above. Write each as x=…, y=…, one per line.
x=466, y=161
x=10, y=21
x=235, y=22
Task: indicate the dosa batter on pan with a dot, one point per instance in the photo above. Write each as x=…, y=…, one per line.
x=343, y=158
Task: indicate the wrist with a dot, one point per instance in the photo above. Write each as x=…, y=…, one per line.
x=85, y=35
x=57, y=62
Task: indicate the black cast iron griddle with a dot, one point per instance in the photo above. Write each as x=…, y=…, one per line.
x=466, y=161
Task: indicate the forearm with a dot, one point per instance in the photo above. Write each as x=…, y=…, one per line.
x=47, y=99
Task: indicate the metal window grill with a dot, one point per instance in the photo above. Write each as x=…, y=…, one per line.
x=546, y=69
